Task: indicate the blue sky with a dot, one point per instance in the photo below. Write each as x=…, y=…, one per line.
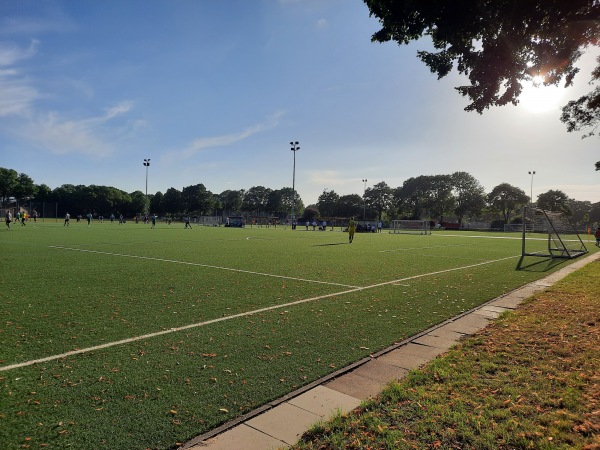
x=213, y=92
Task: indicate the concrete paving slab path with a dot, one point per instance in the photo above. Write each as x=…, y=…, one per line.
x=281, y=423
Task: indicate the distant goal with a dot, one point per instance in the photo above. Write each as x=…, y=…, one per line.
x=518, y=227
x=410, y=227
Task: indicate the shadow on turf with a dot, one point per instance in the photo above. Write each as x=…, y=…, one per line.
x=325, y=245
x=540, y=265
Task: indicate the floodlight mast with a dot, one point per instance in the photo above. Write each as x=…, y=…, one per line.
x=147, y=164
x=532, y=173
x=294, y=149
x=365, y=200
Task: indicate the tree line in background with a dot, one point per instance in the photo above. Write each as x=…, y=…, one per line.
x=458, y=197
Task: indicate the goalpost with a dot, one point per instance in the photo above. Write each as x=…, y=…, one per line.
x=410, y=227
x=210, y=221
x=563, y=240
x=519, y=227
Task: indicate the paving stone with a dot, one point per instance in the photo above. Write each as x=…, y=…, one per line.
x=492, y=308
x=356, y=386
x=434, y=341
x=471, y=321
x=447, y=332
x=380, y=371
x=325, y=402
x=510, y=301
x=404, y=360
x=252, y=440
x=486, y=313
x=285, y=422
x=422, y=351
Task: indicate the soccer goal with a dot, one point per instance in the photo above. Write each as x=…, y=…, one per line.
x=561, y=239
x=210, y=221
x=519, y=227
x=410, y=227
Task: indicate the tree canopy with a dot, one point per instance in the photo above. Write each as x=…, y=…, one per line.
x=499, y=45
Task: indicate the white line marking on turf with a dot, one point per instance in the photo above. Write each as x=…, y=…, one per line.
x=236, y=316
x=423, y=248
x=200, y=265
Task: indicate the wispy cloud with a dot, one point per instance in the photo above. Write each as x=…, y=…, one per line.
x=16, y=92
x=201, y=144
x=65, y=136
x=322, y=24
x=10, y=53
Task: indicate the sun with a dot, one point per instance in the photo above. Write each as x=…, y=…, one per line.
x=537, y=98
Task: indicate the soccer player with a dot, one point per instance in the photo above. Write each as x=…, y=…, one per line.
x=351, y=230
x=8, y=218
x=67, y=219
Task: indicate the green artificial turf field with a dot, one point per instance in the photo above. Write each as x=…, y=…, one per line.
x=122, y=336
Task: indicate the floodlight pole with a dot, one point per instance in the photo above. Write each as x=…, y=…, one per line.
x=147, y=164
x=365, y=200
x=532, y=173
x=294, y=149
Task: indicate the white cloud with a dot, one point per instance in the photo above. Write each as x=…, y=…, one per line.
x=65, y=136
x=16, y=97
x=16, y=93
x=322, y=23
x=205, y=143
x=11, y=53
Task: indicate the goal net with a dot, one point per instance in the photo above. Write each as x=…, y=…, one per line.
x=410, y=227
x=518, y=227
x=553, y=235
x=210, y=221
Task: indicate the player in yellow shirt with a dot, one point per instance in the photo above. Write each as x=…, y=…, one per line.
x=351, y=230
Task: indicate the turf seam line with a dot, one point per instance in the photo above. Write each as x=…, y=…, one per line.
x=236, y=316
x=151, y=258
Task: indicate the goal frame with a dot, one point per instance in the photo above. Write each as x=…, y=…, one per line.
x=556, y=244
x=416, y=226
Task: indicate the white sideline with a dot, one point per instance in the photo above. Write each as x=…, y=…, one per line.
x=235, y=316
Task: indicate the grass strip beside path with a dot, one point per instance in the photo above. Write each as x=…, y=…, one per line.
x=529, y=380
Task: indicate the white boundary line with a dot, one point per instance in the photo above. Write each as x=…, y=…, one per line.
x=236, y=316
x=200, y=265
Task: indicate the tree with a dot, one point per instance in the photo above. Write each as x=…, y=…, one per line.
x=328, y=203
x=498, y=45
x=197, y=199
x=310, y=212
x=380, y=197
x=580, y=211
x=231, y=201
x=468, y=194
x=287, y=198
x=256, y=199
x=350, y=205
x=275, y=202
x=156, y=203
x=139, y=203
x=411, y=198
x=554, y=200
x=595, y=213
x=439, y=200
x=43, y=193
x=25, y=188
x=8, y=182
x=505, y=199
x=172, y=202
